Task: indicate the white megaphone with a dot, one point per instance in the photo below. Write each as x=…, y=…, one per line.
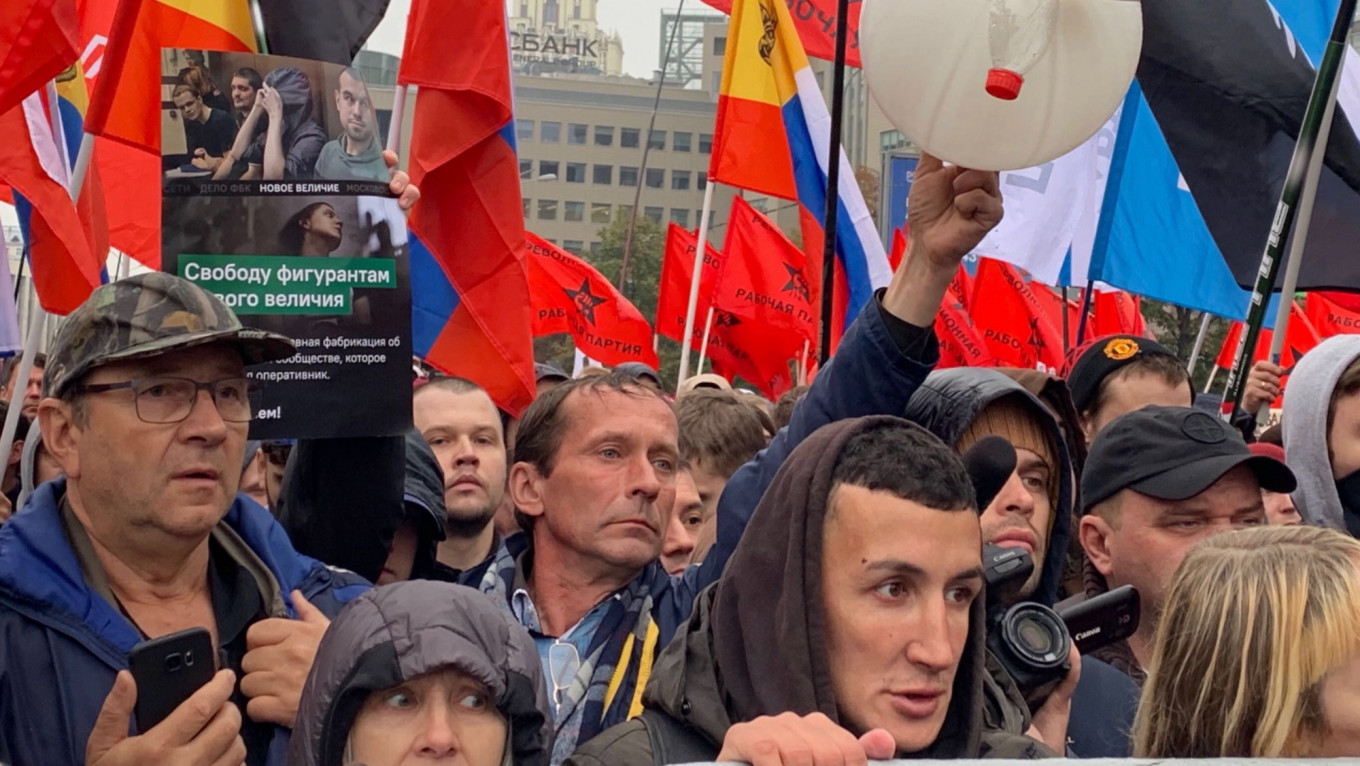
x=999, y=84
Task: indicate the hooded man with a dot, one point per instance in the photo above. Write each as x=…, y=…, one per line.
x=1321, y=425
x=279, y=139
x=849, y=623
x=400, y=640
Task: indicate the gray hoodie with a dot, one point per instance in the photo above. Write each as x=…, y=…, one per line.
x=1306, y=401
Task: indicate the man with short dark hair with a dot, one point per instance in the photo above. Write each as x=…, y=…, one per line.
x=356, y=152
x=244, y=85
x=208, y=132
x=719, y=433
x=855, y=630
x=1122, y=373
x=32, y=387
x=147, y=405
x=1156, y=482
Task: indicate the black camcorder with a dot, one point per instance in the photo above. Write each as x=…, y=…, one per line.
x=1028, y=639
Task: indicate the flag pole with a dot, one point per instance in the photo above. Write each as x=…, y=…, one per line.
x=37, y=323
x=398, y=117
x=833, y=177
x=695, y=276
x=1089, y=293
x=1213, y=373
x=703, y=347
x=1067, y=325
x=257, y=21
x=1204, y=321
x=1303, y=175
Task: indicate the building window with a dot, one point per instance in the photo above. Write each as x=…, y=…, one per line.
x=576, y=134
x=699, y=216
x=680, y=215
x=527, y=204
x=653, y=214
x=524, y=8
x=703, y=181
x=680, y=180
x=547, y=210
x=524, y=130
x=573, y=211
x=526, y=169
x=625, y=211
x=761, y=204
x=604, y=135
x=627, y=176
x=705, y=143
x=681, y=142
x=550, y=132
x=547, y=168
x=576, y=9
x=719, y=45
x=595, y=246
x=889, y=140
x=550, y=12
x=603, y=174
x=599, y=212
x=573, y=246
x=629, y=137
x=656, y=178
x=656, y=140
x=576, y=172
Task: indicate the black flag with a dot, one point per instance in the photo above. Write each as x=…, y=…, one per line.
x=327, y=30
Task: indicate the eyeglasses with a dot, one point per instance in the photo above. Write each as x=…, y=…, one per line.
x=170, y=400
x=564, y=662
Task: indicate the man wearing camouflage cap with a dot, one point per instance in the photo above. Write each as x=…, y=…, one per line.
x=146, y=407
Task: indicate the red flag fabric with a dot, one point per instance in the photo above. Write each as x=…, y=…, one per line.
x=740, y=348
x=1054, y=305
x=1117, y=313
x=469, y=272
x=763, y=277
x=1012, y=320
x=672, y=301
x=38, y=39
x=816, y=24
x=1348, y=301
x=570, y=296
x=1301, y=339
x=961, y=345
x=963, y=286
x=1329, y=317
x=899, y=249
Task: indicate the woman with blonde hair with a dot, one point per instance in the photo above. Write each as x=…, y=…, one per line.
x=1258, y=650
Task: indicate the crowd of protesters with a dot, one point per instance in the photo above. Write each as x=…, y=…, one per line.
x=622, y=577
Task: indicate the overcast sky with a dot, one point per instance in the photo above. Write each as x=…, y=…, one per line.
x=637, y=21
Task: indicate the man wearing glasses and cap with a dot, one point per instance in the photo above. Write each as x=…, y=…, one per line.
x=146, y=406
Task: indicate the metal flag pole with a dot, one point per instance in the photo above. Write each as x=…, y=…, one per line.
x=833, y=177
x=1204, y=321
x=695, y=276
x=257, y=21
x=398, y=116
x=1302, y=176
x=1085, y=313
x=703, y=347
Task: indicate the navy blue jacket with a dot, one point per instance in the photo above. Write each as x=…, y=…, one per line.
x=61, y=644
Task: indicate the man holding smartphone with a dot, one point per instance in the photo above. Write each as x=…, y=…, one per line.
x=146, y=407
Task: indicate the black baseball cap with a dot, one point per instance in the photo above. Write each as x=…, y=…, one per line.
x=544, y=371
x=1104, y=358
x=1171, y=453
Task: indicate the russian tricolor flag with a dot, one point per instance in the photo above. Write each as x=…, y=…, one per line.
x=773, y=136
x=469, y=280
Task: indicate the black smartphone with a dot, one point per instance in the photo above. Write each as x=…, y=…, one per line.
x=1103, y=620
x=168, y=670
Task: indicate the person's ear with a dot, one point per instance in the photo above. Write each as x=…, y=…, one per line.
x=16, y=453
x=1095, y=540
x=526, y=489
x=60, y=434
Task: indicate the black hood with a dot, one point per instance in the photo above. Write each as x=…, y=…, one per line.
x=948, y=403
x=424, y=498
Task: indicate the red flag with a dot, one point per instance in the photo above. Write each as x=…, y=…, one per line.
x=1331, y=318
x=899, y=248
x=1054, y=306
x=740, y=348
x=963, y=286
x=960, y=343
x=672, y=301
x=470, y=283
x=816, y=24
x=1013, y=322
x=38, y=39
x=1301, y=337
x=763, y=277
x=570, y=296
x=1117, y=313
x=1348, y=301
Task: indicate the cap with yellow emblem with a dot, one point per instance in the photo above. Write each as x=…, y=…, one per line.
x=1104, y=358
x=145, y=316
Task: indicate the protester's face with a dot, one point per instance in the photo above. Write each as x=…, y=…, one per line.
x=464, y=431
x=677, y=550
x=1020, y=515
x=190, y=106
x=274, y=466
x=1341, y=712
x=355, y=108
x=252, y=479
x=1143, y=542
x=242, y=95
x=32, y=391
x=401, y=558
x=325, y=223
x=178, y=478
x=1280, y=510
x=1344, y=439
x=611, y=491
x=444, y=717
x=898, y=581
x=710, y=485
x=1132, y=391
